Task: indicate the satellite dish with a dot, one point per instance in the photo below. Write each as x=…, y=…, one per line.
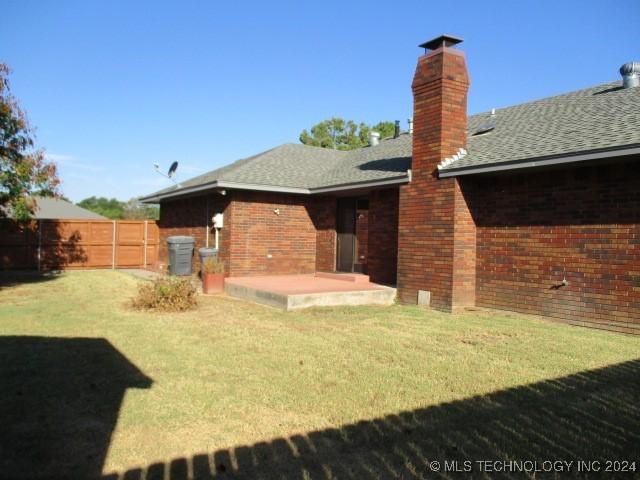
x=172, y=169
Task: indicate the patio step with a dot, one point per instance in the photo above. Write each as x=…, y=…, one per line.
x=347, y=277
x=383, y=296
x=303, y=291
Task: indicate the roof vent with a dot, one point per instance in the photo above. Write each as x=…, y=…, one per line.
x=374, y=138
x=396, y=129
x=630, y=74
x=486, y=127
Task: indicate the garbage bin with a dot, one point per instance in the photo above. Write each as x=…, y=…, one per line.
x=204, y=253
x=180, y=253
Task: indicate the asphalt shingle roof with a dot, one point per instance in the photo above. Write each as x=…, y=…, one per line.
x=597, y=118
x=289, y=165
x=57, y=208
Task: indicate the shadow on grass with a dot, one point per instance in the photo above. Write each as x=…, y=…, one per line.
x=592, y=415
x=22, y=277
x=59, y=403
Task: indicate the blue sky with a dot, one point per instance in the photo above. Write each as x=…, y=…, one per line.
x=115, y=86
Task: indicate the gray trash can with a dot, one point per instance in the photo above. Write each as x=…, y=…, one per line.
x=206, y=252
x=180, y=253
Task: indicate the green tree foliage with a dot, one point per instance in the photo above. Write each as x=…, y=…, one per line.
x=24, y=172
x=341, y=134
x=134, y=210
x=385, y=129
x=118, y=210
x=107, y=207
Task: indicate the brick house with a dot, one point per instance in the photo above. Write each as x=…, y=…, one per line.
x=533, y=208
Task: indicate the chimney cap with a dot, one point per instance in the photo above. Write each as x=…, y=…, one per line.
x=441, y=41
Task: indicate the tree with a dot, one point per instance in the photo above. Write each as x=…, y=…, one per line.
x=134, y=210
x=24, y=172
x=117, y=210
x=107, y=207
x=386, y=129
x=342, y=134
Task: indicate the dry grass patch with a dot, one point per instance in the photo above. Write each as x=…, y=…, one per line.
x=266, y=393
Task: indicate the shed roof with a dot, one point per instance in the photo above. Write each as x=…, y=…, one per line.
x=57, y=208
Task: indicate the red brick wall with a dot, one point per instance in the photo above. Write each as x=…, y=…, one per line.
x=324, y=219
x=434, y=254
x=189, y=216
x=582, y=224
x=464, y=247
x=264, y=243
x=299, y=240
x=383, y=236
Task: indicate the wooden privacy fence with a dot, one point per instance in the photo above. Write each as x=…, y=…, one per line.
x=61, y=244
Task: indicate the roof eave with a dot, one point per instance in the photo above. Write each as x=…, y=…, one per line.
x=400, y=179
x=156, y=198
x=543, y=161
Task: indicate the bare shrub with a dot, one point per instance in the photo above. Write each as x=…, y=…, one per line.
x=213, y=265
x=167, y=294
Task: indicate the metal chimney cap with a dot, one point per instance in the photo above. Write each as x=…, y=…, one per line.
x=441, y=41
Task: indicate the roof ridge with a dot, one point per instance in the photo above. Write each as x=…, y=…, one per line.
x=238, y=163
x=544, y=99
x=315, y=147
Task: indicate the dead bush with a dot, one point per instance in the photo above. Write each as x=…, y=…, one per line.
x=213, y=265
x=167, y=294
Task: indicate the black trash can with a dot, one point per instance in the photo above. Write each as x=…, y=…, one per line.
x=206, y=252
x=180, y=253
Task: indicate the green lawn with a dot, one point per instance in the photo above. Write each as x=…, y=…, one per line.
x=90, y=388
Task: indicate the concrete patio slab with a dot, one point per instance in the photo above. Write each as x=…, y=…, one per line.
x=347, y=277
x=291, y=292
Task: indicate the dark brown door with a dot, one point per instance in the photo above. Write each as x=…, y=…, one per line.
x=346, y=234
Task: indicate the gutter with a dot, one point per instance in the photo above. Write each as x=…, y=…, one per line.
x=155, y=198
x=542, y=161
x=400, y=179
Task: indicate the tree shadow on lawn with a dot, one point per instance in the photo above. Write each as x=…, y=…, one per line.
x=592, y=415
x=59, y=403
x=23, y=277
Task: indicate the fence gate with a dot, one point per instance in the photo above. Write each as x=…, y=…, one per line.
x=67, y=244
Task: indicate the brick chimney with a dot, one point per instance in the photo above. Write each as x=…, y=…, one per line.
x=437, y=244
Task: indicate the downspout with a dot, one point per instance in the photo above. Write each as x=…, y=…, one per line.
x=206, y=231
